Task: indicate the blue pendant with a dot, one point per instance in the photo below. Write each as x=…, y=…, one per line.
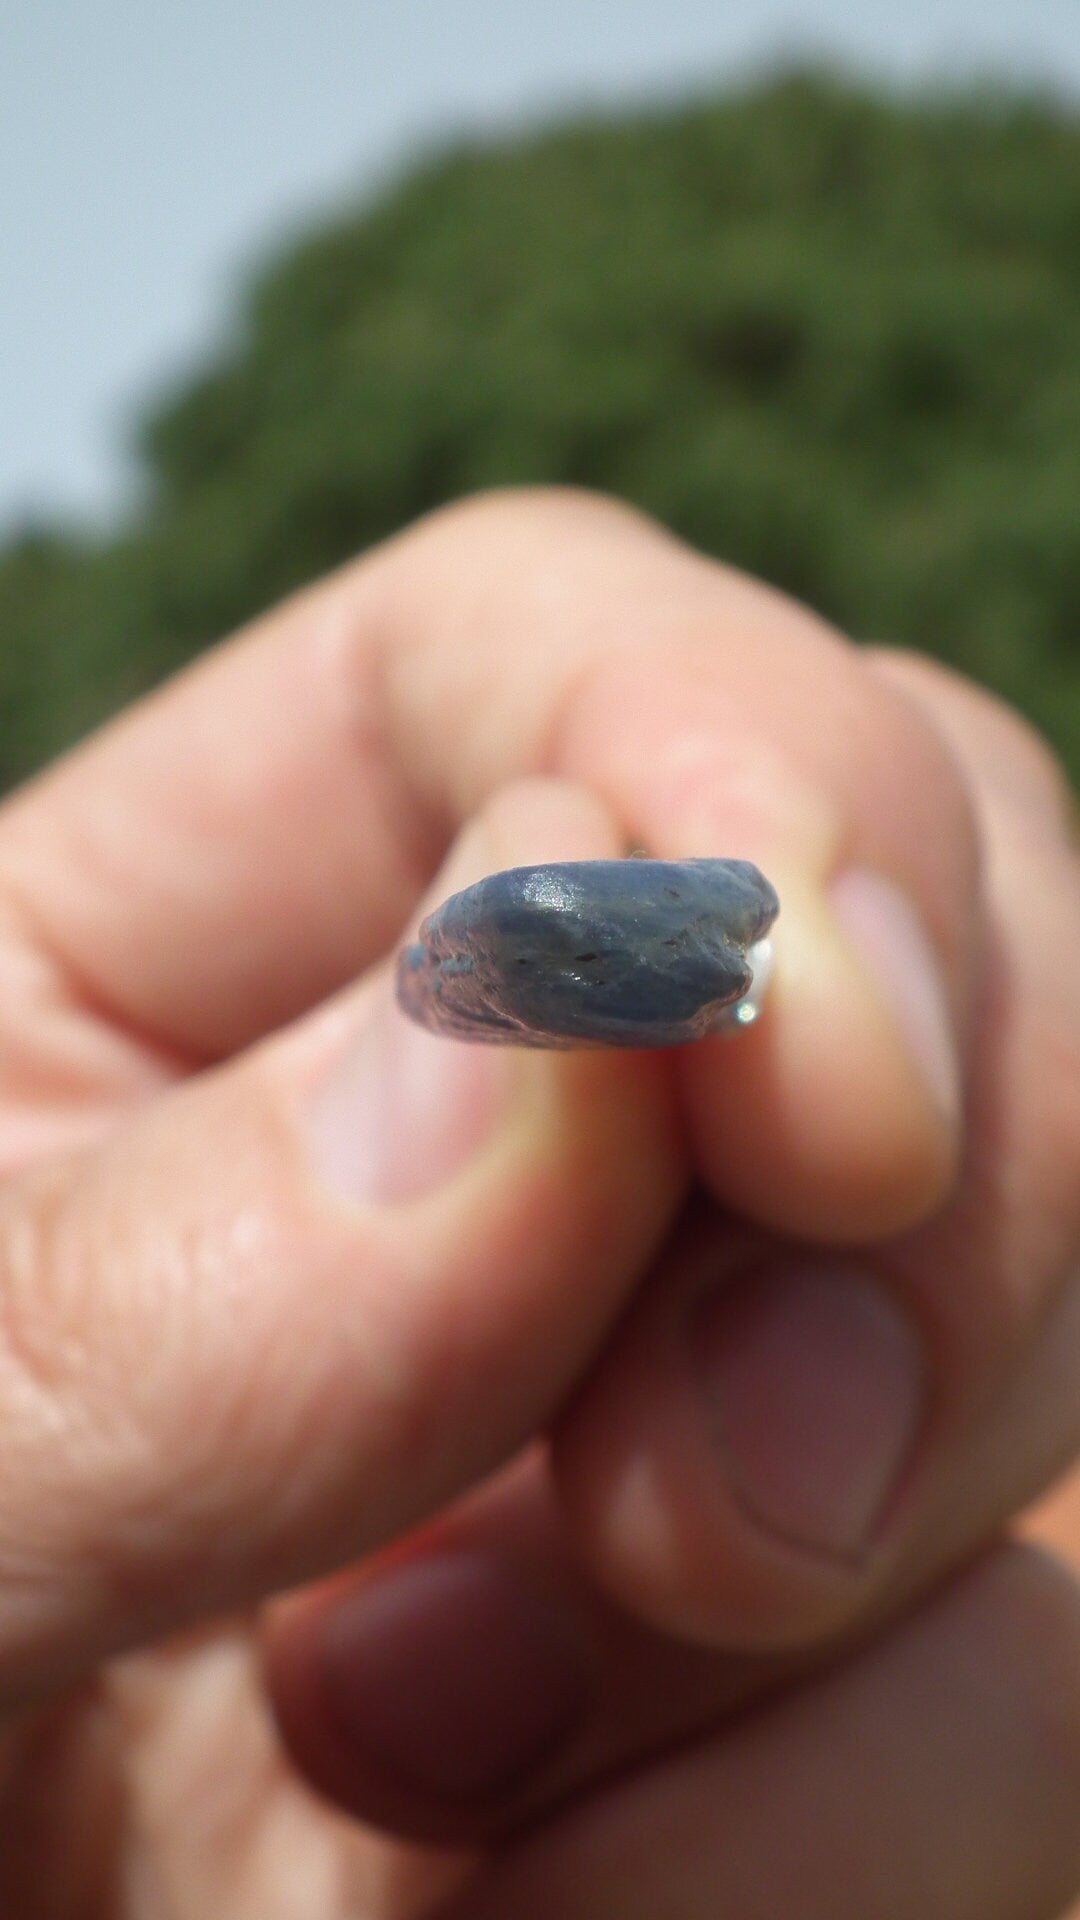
x=594, y=953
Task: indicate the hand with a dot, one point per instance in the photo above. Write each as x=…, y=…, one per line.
x=286, y=1283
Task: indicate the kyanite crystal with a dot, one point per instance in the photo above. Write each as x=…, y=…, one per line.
x=594, y=953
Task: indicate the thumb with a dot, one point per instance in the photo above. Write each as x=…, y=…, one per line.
x=307, y=1298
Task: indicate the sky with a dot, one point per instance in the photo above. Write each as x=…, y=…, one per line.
x=150, y=151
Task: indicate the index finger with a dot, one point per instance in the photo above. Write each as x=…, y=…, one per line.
x=247, y=839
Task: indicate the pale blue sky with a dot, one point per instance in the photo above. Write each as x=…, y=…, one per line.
x=150, y=148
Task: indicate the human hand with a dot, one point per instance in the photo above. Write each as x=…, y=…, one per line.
x=276, y=1293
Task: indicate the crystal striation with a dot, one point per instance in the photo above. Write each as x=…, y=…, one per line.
x=594, y=953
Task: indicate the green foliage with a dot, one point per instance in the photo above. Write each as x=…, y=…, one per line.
x=832, y=337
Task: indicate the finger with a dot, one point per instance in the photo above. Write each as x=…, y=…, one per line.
x=938, y=1774
x=777, y=1440
x=372, y=1630
x=306, y=776
x=1008, y=761
x=467, y=1680
x=307, y=1298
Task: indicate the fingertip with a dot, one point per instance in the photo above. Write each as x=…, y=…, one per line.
x=428, y=1695
x=740, y=1467
x=836, y=1117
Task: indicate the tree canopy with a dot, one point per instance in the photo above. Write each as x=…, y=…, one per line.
x=830, y=335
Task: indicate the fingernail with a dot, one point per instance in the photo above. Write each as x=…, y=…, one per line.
x=885, y=929
x=453, y=1676
x=405, y=1110
x=815, y=1388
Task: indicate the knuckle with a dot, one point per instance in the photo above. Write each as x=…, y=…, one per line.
x=69, y=1439
x=532, y=514
x=113, y=1324
x=44, y=1346
x=1003, y=754
x=925, y=749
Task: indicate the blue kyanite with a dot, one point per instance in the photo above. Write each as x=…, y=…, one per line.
x=594, y=953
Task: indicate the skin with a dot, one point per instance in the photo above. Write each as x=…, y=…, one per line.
x=236, y=1361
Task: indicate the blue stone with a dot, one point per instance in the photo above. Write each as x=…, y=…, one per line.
x=591, y=953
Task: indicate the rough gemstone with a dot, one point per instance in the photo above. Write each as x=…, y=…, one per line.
x=592, y=953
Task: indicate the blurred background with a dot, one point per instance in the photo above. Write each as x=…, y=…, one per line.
x=802, y=279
